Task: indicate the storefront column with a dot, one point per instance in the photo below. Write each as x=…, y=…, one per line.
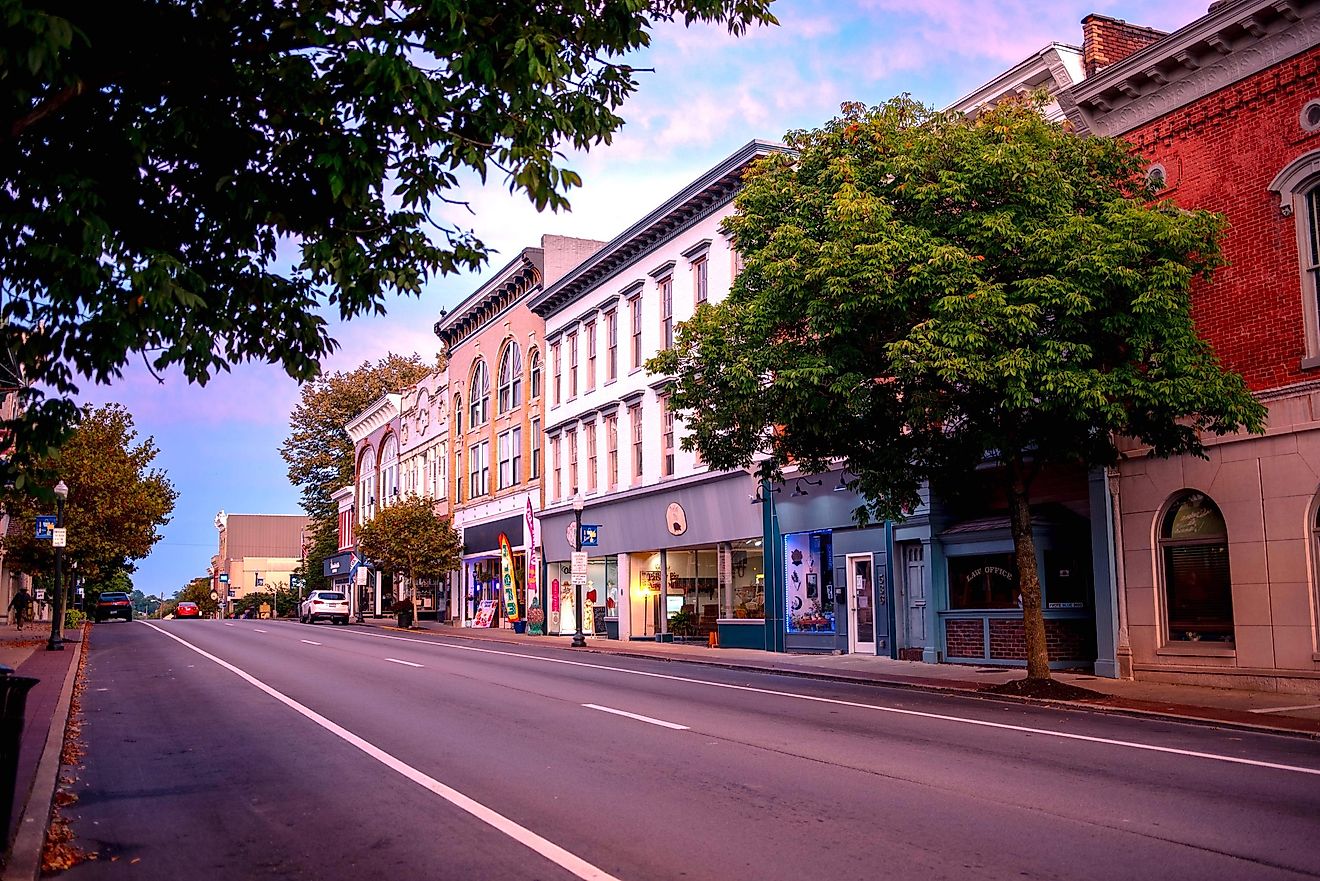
x=772, y=543
x=624, y=598
x=1102, y=575
x=662, y=626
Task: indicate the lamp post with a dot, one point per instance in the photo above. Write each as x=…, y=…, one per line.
x=56, y=641
x=579, y=641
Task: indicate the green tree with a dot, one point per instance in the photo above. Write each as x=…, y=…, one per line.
x=153, y=190
x=319, y=451
x=407, y=539
x=198, y=591
x=922, y=292
x=117, y=501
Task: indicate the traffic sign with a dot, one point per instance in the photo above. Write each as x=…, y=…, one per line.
x=579, y=567
x=59, y=537
x=590, y=535
x=45, y=525
x=214, y=595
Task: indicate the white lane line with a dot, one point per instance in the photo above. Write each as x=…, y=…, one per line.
x=1287, y=709
x=524, y=836
x=661, y=722
x=897, y=711
x=309, y=642
x=404, y=663
x=227, y=624
x=258, y=630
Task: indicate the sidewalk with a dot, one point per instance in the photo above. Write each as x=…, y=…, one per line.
x=42, y=738
x=1272, y=711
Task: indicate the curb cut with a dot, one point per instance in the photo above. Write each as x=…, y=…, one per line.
x=958, y=690
x=25, y=856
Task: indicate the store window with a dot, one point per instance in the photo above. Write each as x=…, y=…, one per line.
x=983, y=581
x=809, y=582
x=479, y=396
x=1197, y=587
x=511, y=372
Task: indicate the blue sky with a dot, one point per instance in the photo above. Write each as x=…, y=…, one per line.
x=709, y=94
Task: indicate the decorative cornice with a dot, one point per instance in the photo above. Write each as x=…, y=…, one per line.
x=517, y=278
x=697, y=250
x=377, y=414
x=664, y=268
x=1231, y=43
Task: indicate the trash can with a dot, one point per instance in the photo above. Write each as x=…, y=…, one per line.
x=13, y=704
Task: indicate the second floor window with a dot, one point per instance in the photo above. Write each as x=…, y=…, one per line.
x=570, y=438
x=612, y=451
x=699, y=281
x=511, y=373
x=635, y=313
x=458, y=415
x=611, y=345
x=479, y=469
x=510, y=451
x=666, y=286
x=667, y=439
x=635, y=417
x=555, y=472
x=591, y=457
x=534, y=375
x=536, y=448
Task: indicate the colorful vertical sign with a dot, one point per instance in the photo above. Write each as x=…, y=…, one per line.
x=510, y=592
x=533, y=560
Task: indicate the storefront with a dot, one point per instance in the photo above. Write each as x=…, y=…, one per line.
x=339, y=570
x=682, y=562
x=832, y=584
x=482, y=570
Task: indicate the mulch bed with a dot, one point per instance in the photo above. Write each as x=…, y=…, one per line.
x=1045, y=689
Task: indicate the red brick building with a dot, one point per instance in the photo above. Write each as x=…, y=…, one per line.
x=1218, y=566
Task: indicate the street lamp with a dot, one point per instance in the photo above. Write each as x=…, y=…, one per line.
x=579, y=641
x=56, y=641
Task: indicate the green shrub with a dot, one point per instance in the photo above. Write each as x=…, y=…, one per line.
x=73, y=619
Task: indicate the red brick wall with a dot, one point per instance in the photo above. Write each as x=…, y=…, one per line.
x=1221, y=153
x=1068, y=639
x=964, y=638
x=1107, y=41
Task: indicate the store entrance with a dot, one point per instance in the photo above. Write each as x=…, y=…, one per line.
x=861, y=604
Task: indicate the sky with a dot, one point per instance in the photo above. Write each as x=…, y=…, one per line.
x=709, y=94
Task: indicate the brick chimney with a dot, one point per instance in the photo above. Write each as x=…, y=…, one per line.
x=1107, y=41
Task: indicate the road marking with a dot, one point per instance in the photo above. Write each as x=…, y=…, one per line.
x=1287, y=709
x=524, y=836
x=258, y=630
x=227, y=624
x=309, y=642
x=404, y=663
x=897, y=711
x=661, y=722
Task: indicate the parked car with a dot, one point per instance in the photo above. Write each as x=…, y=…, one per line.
x=113, y=604
x=187, y=610
x=328, y=605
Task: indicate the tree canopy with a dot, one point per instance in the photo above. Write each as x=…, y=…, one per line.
x=198, y=591
x=117, y=500
x=407, y=539
x=922, y=292
x=198, y=182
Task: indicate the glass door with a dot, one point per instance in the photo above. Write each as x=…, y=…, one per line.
x=861, y=605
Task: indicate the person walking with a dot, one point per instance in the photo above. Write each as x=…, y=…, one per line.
x=21, y=606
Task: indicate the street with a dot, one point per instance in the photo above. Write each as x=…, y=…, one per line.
x=254, y=749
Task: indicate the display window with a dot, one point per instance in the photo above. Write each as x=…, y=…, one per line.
x=809, y=582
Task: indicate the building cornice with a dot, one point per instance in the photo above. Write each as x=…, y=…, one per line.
x=1231, y=43
x=377, y=414
x=517, y=278
x=694, y=203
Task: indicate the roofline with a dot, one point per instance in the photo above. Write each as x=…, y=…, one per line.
x=616, y=252
x=1015, y=73
x=519, y=265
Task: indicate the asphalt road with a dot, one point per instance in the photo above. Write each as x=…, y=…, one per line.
x=250, y=749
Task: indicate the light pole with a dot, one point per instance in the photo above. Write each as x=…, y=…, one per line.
x=56, y=641
x=579, y=641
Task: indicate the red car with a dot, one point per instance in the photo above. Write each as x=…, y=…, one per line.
x=187, y=610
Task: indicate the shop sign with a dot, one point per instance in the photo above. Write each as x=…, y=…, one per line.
x=45, y=525
x=675, y=519
x=590, y=535
x=485, y=614
x=510, y=587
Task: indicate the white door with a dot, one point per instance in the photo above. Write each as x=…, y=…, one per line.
x=861, y=604
x=914, y=596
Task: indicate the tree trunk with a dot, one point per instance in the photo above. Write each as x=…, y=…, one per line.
x=1024, y=553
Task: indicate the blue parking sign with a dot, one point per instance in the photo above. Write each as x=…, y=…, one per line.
x=46, y=526
x=590, y=535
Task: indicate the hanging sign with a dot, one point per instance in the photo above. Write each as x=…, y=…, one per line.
x=45, y=525
x=533, y=560
x=507, y=579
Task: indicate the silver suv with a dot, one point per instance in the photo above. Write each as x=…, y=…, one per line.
x=328, y=605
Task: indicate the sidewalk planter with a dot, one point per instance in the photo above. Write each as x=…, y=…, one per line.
x=519, y=626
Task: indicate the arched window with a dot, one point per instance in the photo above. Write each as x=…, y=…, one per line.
x=366, y=492
x=511, y=368
x=1197, y=588
x=1298, y=189
x=458, y=414
x=479, y=396
x=389, y=472
x=534, y=374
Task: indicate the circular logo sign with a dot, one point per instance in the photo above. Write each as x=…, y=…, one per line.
x=675, y=519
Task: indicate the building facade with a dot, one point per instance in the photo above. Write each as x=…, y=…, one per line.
x=341, y=568
x=377, y=484
x=258, y=553
x=494, y=345
x=424, y=464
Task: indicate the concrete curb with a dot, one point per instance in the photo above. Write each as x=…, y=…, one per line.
x=943, y=687
x=25, y=857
